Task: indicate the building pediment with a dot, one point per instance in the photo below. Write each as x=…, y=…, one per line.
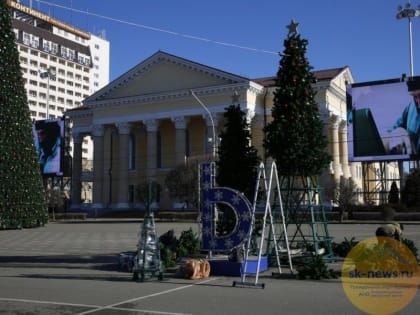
x=160, y=74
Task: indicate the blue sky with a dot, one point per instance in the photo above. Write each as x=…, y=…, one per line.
x=362, y=34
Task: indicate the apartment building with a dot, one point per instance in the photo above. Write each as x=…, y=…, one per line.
x=61, y=64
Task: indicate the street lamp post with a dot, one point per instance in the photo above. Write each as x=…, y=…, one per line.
x=214, y=156
x=49, y=74
x=211, y=119
x=407, y=13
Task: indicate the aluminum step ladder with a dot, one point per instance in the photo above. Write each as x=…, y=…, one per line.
x=268, y=188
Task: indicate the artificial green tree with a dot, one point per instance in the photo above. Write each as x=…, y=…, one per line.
x=237, y=163
x=238, y=158
x=295, y=139
x=22, y=196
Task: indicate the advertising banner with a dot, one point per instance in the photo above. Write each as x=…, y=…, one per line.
x=49, y=137
x=383, y=120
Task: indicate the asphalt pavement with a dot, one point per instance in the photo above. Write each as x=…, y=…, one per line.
x=72, y=268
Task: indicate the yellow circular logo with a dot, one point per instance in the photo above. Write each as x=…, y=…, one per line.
x=380, y=275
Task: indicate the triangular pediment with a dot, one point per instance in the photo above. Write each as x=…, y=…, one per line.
x=161, y=73
x=343, y=78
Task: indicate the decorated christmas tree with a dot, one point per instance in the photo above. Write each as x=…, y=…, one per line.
x=295, y=137
x=22, y=196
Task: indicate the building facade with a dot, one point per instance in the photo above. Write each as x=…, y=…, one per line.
x=156, y=116
x=61, y=64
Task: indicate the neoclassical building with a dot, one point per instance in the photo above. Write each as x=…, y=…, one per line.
x=166, y=110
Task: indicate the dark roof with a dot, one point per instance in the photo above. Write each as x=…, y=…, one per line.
x=320, y=75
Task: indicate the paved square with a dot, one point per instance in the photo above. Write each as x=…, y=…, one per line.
x=71, y=268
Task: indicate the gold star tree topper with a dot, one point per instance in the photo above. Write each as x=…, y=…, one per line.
x=293, y=27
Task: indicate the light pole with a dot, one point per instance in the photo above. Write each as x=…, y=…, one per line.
x=408, y=12
x=214, y=157
x=49, y=74
x=211, y=119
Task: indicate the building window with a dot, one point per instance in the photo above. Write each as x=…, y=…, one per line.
x=54, y=48
x=71, y=54
x=46, y=45
x=26, y=38
x=131, y=152
x=64, y=52
x=35, y=42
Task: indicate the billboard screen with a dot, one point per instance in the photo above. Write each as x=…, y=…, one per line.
x=49, y=137
x=383, y=123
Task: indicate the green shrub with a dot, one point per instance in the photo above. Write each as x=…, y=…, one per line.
x=171, y=248
x=315, y=268
x=188, y=244
x=168, y=244
x=343, y=248
x=411, y=246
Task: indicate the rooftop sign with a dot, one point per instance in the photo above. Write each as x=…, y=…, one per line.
x=47, y=18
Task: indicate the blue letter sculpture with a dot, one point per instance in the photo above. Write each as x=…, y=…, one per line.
x=210, y=196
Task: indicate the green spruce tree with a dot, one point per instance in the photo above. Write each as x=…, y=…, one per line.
x=410, y=193
x=394, y=194
x=295, y=137
x=237, y=164
x=22, y=196
x=238, y=159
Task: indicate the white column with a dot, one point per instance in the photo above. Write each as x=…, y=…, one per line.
x=180, y=138
x=344, y=157
x=335, y=148
x=124, y=131
x=98, y=166
x=76, y=186
x=152, y=126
